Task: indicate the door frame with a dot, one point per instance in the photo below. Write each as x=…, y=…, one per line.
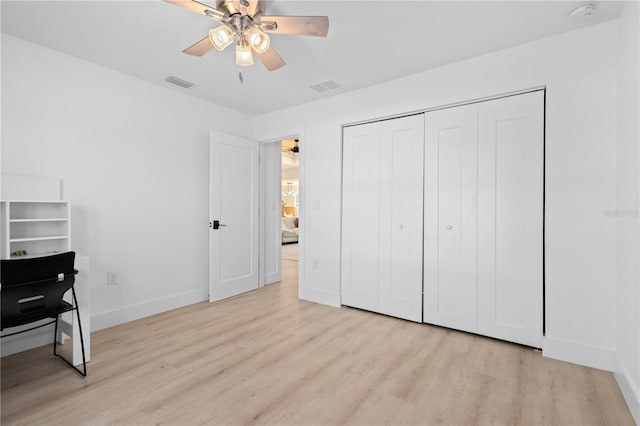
x=265, y=245
x=294, y=133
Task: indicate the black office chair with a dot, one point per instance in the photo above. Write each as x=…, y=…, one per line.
x=33, y=290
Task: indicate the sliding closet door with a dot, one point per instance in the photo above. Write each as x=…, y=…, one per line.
x=382, y=217
x=361, y=176
x=510, y=215
x=400, y=289
x=450, y=217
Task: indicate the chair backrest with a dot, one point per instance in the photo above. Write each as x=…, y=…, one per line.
x=33, y=289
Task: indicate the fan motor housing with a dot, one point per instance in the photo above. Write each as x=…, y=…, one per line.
x=234, y=6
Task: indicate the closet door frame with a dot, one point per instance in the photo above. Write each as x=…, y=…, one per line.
x=541, y=88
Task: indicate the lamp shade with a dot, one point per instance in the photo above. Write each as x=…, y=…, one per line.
x=258, y=40
x=221, y=37
x=244, y=57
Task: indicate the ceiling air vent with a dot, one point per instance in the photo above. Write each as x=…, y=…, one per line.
x=326, y=86
x=179, y=82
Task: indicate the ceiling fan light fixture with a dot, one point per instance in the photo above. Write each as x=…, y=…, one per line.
x=244, y=57
x=258, y=40
x=245, y=23
x=221, y=37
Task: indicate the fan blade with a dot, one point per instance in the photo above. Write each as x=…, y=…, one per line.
x=255, y=7
x=300, y=25
x=199, y=48
x=200, y=8
x=271, y=59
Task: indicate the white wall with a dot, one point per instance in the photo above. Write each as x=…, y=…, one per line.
x=579, y=71
x=626, y=214
x=133, y=158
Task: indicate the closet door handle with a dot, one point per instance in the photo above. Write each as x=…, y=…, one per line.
x=216, y=224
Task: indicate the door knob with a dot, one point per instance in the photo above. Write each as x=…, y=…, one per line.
x=449, y=227
x=216, y=224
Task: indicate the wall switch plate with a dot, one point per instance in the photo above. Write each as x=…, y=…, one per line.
x=112, y=278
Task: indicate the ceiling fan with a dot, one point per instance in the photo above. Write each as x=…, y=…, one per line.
x=293, y=149
x=244, y=21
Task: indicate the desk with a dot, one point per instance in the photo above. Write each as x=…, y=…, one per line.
x=41, y=337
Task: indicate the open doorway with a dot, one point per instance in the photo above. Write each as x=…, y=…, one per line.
x=290, y=203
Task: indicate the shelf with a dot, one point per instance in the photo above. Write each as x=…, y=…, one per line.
x=55, y=219
x=35, y=201
x=38, y=227
x=31, y=256
x=22, y=240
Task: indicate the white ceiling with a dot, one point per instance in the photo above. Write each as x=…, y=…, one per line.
x=369, y=41
x=290, y=161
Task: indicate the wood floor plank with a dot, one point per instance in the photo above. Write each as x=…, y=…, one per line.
x=267, y=358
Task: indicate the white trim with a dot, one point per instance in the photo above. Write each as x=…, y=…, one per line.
x=319, y=296
x=450, y=105
x=302, y=201
x=578, y=353
x=630, y=389
x=130, y=313
x=268, y=278
x=298, y=132
x=271, y=278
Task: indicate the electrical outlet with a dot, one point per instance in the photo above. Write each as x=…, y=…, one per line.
x=316, y=264
x=112, y=278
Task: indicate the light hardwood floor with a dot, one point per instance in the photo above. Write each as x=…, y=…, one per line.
x=268, y=358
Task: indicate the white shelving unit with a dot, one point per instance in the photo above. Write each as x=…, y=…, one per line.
x=35, y=227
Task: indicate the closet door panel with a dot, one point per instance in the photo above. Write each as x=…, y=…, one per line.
x=450, y=218
x=510, y=218
x=400, y=290
x=361, y=216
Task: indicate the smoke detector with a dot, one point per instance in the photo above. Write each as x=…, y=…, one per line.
x=583, y=13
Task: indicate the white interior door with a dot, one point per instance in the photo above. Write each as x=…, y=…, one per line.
x=234, y=203
x=450, y=218
x=510, y=218
x=361, y=216
x=400, y=286
x=382, y=217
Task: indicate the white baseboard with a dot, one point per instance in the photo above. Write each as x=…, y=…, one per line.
x=271, y=278
x=318, y=296
x=27, y=340
x=578, y=353
x=130, y=313
x=630, y=389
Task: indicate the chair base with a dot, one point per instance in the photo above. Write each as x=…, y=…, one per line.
x=83, y=373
